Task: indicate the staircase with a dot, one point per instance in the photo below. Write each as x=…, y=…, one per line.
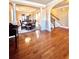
x=55, y=21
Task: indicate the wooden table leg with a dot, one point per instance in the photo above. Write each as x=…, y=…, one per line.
x=16, y=41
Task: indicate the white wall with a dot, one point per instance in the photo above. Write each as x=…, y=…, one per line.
x=62, y=14
x=48, y=8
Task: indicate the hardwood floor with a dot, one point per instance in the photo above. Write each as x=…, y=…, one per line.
x=42, y=45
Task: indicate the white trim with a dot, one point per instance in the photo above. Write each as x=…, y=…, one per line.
x=34, y=4
x=61, y=7
x=54, y=2
x=12, y=36
x=65, y=27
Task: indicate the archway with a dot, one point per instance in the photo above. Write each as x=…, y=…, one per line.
x=59, y=15
x=49, y=7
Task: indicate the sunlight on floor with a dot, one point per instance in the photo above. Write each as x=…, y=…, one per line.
x=37, y=33
x=27, y=40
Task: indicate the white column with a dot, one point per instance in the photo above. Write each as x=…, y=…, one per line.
x=41, y=18
x=41, y=13
x=11, y=15
x=14, y=14
x=48, y=20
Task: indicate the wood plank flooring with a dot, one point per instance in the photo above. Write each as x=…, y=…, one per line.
x=41, y=45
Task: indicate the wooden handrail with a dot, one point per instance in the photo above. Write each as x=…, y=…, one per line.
x=55, y=17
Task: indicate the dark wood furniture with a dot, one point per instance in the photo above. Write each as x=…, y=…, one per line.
x=13, y=31
x=28, y=24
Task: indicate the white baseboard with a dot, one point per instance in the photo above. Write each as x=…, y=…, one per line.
x=12, y=36
x=65, y=27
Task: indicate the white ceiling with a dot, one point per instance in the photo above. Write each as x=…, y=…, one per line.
x=26, y=9
x=40, y=1
x=33, y=3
